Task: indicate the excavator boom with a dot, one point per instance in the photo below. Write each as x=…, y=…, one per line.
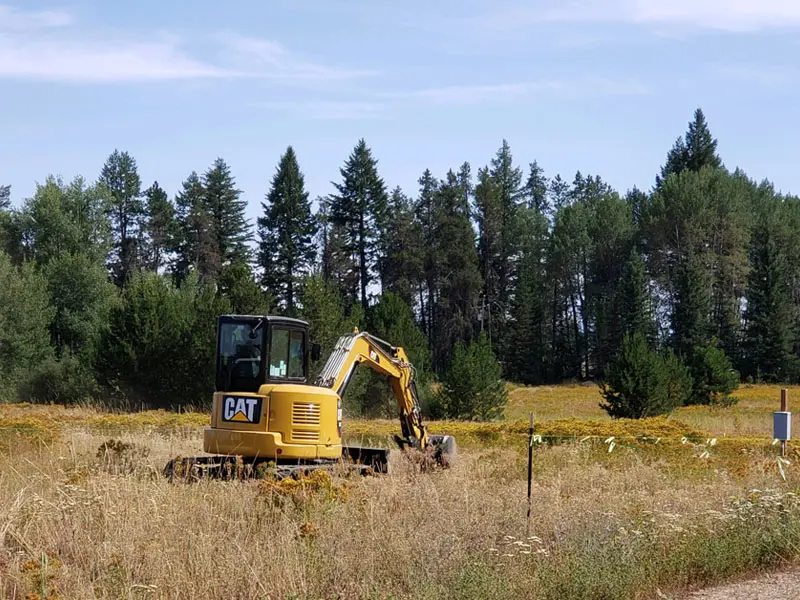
x=382, y=357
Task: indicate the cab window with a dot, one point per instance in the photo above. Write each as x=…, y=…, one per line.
x=287, y=354
x=296, y=354
x=239, y=366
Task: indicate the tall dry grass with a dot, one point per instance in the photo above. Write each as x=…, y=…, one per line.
x=82, y=518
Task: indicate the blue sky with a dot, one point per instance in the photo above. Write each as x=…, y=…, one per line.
x=603, y=87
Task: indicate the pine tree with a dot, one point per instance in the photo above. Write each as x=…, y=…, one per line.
x=426, y=213
x=6, y=233
x=195, y=243
x=237, y=284
x=286, y=230
x=637, y=200
x=473, y=387
x=336, y=265
x=489, y=218
x=641, y=383
x=120, y=177
x=323, y=220
x=498, y=197
x=569, y=260
x=677, y=159
x=691, y=310
x=563, y=355
x=768, y=335
x=403, y=272
x=559, y=192
x=222, y=203
x=697, y=149
x=455, y=264
x=529, y=307
x=637, y=309
x=160, y=225
x=359, y=209
x=536, y=189
x=732, y=197
x=701, y=146
x=25, y=314
x=713, y=375
x=610, y=232
x=508, y=180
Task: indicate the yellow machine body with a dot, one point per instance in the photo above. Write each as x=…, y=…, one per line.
x=283, y=421
x=264, y=410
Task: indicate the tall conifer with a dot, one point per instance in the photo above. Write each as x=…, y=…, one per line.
x=286, y=231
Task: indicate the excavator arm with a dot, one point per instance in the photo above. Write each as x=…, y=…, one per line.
x=384, y=358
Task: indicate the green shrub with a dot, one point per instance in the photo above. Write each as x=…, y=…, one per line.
x=713, y=375
x=60, y=381
x=642, y=383
x=473, y=387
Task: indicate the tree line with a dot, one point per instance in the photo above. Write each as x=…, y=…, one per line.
x=109, y=289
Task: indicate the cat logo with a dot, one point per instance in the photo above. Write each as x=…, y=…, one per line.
x=241, y=410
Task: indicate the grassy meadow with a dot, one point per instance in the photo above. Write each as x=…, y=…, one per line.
x=620, y=509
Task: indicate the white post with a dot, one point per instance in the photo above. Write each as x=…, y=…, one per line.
x=782, y=422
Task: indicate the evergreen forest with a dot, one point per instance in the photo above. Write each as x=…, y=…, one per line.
x=110, y=286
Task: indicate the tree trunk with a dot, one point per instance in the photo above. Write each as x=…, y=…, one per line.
x=362, y=258
x=577, y=335
x=290, y=287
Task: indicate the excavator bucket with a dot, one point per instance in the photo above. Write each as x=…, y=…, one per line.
x=440, y=451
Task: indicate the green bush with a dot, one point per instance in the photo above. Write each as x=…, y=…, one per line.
x=25, y=316
x=643, y=383
x=63, y=381
x=713, y=375
x=160, y=346
x=473, y=387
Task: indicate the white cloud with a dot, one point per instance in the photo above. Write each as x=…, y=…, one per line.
x=729, y=15
x=764, y=75
x=328, y=111
x=459, y=94
x=50, y=46
x=482, y=94
x=12, y=19
x=274, y=60
x=379, y=105
x=99, y=62
x=733, y=15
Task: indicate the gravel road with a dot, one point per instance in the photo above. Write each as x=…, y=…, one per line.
x=774, y=586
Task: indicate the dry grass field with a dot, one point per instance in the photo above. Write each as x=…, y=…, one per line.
x=751, y=415
x=646, y=509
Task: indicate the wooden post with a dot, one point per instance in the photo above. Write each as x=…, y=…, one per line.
x=530, y=472
x=784, y=408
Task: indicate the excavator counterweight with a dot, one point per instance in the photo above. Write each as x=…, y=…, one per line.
x=266, y=419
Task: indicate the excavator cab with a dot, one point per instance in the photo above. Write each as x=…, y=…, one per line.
x=257, y=350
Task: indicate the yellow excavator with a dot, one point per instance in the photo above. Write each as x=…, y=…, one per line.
x=268, y=420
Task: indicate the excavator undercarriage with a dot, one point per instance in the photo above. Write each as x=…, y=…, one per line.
x=356, y=460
